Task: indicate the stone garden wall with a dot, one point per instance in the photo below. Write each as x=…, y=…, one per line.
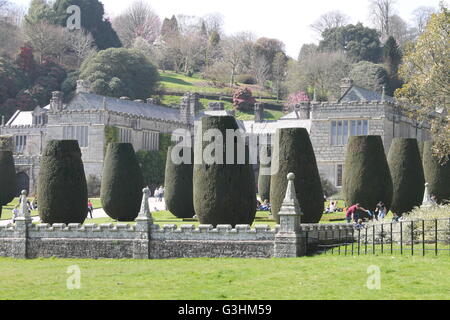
x=146, y=240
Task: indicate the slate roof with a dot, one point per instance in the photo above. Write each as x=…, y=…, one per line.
x=89, y=101
x=356, y=93
x=21, y=118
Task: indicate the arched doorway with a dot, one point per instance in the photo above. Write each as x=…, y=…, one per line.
x=23, y=182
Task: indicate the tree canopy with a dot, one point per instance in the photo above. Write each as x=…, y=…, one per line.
x=118, y=72
x=359, y=42
x=425, y=71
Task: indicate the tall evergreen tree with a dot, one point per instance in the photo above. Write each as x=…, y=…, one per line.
x=7, y=178
x=92, y=20
x=392, y=58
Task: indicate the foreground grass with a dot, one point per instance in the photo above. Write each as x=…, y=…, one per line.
x=319, y=277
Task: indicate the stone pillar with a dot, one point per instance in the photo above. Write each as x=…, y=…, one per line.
x=304, y=110
x=185, y=109
x=289, y=242
x=23, y=223
x=56, y=102
x=141, y=248
x=427, y=202
x=259, y=112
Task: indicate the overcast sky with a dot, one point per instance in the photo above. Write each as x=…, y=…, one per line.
x=287, y=20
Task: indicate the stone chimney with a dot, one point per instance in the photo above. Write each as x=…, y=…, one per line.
x=303, y=110
x=185, y=109
x=259, y=112
x=83, y=86
x=346, y=84
x=56, y=103
x=196, y=106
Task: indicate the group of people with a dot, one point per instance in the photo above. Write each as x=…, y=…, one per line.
x=354, y=213
x=159, y=193
x=265, y=206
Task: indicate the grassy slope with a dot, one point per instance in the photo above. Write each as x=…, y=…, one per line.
x=302, y=278
x=181, y=83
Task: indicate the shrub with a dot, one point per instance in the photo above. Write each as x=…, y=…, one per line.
x=223, y=193
x=293, y=152
x=264, y=180
x=178, y=187
x=246, y=79
x=407, y=175
x=367, y=179
x=62, y=189
x=122, y=183
x=437, y=175
x=7, y=178
x=93, y=185
x=243, y=99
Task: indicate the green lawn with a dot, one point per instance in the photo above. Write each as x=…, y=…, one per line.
x=319, y=277
x=181, y=83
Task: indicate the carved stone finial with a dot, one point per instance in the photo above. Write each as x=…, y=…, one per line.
x=290, y=212
x=24, y=214
x=427, y=202
x=145, y=213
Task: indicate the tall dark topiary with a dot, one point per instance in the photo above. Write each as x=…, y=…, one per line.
x=7, y=178
x=437, y=174
x=293, y=152
x=367, y=178
x=62, y=189
x=264, y=177
x=223, y=193
x=178, y=192
x=122, y=183
x=407, y=174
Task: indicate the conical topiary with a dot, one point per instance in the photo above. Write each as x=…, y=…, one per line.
x=293, y=153
x=407, y=174
x=178, y=193
x=223, y=193
x=7, y=178
x=62, y=189
x=367, y=178
x=264, y=176
x=122, y=183
x=437, y=174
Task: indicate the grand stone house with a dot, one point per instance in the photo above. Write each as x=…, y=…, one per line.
x=89, y=118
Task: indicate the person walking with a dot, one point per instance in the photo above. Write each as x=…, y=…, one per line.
x=90, y=208
x=160, y=194
x=382, y=210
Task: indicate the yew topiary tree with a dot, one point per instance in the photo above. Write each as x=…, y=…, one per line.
x=122, y=183
x=7, y=178
x=407, y=174
x=264, y=177
x=178, y=186
x=62, y=189
x=293, y=152
x=223, y=193
x=367, y=178
x=437, y=174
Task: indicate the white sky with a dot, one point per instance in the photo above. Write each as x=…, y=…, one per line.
x=287, y=20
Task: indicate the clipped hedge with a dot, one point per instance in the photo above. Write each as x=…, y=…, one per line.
x=178, y=193
x=223, y=193
x=62, y=188
x=294, y=153
x=407, y=174
x=7, y=178
x=437, y=174
x=264, y=179
x=367, y=178
x=122, y=183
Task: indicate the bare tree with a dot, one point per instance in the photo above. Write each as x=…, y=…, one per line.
x=421, y=16
x=48, y=40
x=237, y=52
x=332, y=19
x=213, y=22
x=82, y=44
x=261, y=69
x=381, y=12
x=11, y=36
x=138, y=20
x=401, y=31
